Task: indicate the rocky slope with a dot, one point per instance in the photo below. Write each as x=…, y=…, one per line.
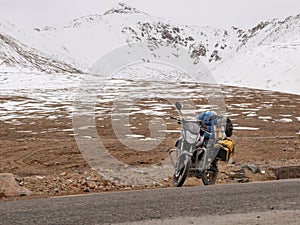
x=15, y=56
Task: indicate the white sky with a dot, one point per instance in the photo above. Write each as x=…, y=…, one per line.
x=218, y=13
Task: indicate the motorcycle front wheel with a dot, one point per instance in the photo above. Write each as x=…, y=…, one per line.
x=181, y=174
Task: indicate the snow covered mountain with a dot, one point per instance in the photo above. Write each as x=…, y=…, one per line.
x=88, y=37
x=16, y=56
x=266, y=56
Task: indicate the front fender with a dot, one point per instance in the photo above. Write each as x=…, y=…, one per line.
x=178, y=143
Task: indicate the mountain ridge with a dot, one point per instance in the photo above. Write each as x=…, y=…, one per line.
x=81, y=42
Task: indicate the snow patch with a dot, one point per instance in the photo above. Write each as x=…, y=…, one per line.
x=134, y=136
x=246, y=128
x=251, y=115
x=285, y=120
x=265, y=117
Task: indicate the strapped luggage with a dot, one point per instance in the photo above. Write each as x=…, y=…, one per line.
x=226, y=149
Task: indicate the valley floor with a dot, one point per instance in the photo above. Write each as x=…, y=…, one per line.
x=37, y=140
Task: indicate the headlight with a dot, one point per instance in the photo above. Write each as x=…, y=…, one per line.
x=191, y=138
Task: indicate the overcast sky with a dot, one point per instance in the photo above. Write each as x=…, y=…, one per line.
x=218, y=13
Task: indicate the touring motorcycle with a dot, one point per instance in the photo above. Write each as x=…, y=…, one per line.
x=193, y=157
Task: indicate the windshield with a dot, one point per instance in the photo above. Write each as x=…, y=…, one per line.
x=192, y=126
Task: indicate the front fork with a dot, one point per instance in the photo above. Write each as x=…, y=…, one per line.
x=184, y=152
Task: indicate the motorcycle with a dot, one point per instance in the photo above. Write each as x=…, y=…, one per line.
x=193, y=156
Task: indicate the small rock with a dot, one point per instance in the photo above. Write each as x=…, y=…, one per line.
x=87, y=189
x=70, y=181
x=39, y=177
x=63, y=174
x=80, y=172
x=2, y=193
x=91, y=185
x=95, y=179
x=252, y=167
x=23, y=194
x=237, y=174
x=241, y=180
x=18, y=179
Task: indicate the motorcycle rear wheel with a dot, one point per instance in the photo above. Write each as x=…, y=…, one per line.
x=209, y=177
x=180, y=176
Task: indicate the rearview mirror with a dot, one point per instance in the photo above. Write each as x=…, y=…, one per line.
x=178, y=105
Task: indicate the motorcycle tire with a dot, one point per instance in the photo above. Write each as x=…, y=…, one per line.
x=180, y=176
x=209, y=177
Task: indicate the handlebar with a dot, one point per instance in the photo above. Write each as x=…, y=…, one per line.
x=202, y=126
x=179, y=121
x=199, y=122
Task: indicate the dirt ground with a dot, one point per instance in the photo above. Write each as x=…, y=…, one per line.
x=42, y=152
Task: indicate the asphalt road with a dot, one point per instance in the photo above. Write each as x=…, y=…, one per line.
x=160, y=205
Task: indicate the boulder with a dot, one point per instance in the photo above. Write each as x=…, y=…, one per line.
x=252, y=167
x=10, y=187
